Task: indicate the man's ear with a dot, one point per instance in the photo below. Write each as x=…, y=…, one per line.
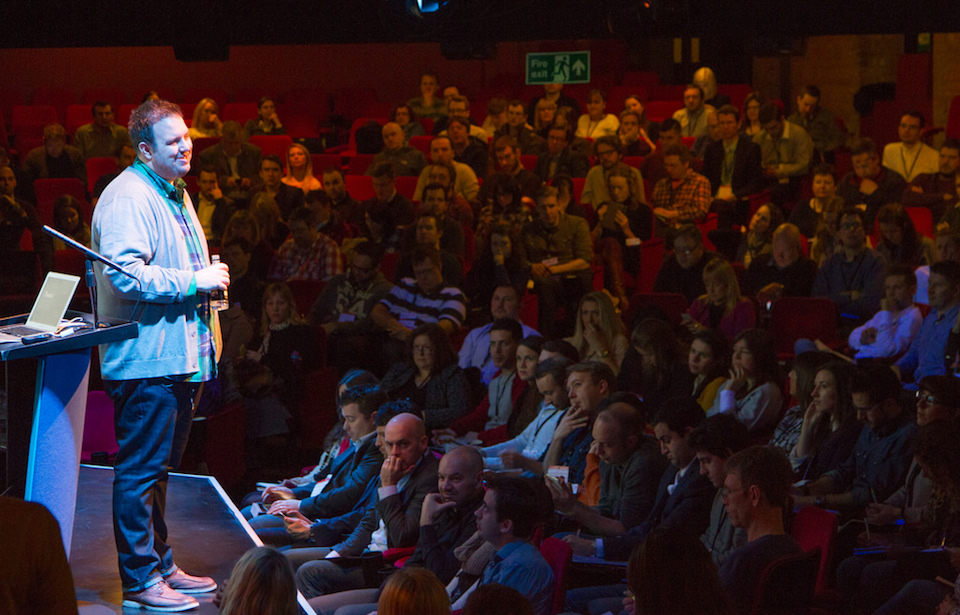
x=145, y=149
x=506, y=526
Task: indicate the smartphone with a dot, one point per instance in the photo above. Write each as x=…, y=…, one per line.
x=609, y=219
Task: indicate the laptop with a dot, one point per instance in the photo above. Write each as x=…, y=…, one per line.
x=48, y=309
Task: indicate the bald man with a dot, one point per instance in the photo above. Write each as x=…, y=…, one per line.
x=408, y=161
x=447, y=520
x=408, y=475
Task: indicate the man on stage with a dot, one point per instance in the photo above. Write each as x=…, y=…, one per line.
x=146, y=223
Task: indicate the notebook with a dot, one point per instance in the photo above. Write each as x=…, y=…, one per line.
x=48, y=309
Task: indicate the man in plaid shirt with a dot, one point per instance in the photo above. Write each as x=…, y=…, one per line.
x=308, y=254
x=683, y=196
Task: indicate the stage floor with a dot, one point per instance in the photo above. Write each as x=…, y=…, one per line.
x=207, y=534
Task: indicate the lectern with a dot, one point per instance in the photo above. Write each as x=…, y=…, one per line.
x=45, y=430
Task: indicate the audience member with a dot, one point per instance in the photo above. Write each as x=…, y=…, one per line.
x=465, y=182
x=403, y=116
x=911, y=156
x=683, y=196
x=560, y=156
x=287, y=197
x=707, y=362
x=938, y=191
x=308, y=254
x=609, y=152
x=507, y=154
x=750, y=125
x=829, y=428
x=385, y=193
x=243, y=225
x=530, y=402
x=427, y=105
x=235, y=161
x=554, y=93
x=68, y=220
x=560, y=250
x=18, y=216
x=701, y=143
x=102, y=137
x=784, y=272
x=756, y=490
x=853, y=277
x=214, y=209
x=428, y=231
x=890, y=332
x=598, y=334
x=496, y=599
x=900, y=243
x=468, y=149
x=505, y=302
x=722, y=307
x=786, y=152
x=820, y=124
x=496, y=116
x=652, y=366
x=246, y=288
x=349, y=210
x=596, y=123
x=458, y=106
x=731, y=164
x=758, y=240
x=869, y=186
x=517, y=127
x=693, y=116
x=261, y=582
x=653, y=165
x=543, y=117
x=54, y=159
x=500, y=262
x=881, y=456
x=807, y=215
x=413, y=591
x=752, y=393
x=633, y=103
x=407, y=161
x=206, y=120
x=947, y=246
x=925, y=356
x=683, y=271
x=300, y=169
x=801, y=383
x=633, y=135
x=267, y=122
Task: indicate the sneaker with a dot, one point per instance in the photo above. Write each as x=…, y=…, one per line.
x=160, y=597
x=189, y=584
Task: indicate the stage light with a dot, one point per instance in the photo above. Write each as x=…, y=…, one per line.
x=418, y=8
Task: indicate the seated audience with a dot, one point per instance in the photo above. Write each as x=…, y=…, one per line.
x=630, y=470
x=206, y=120
x=881, y=456
x=750, y=125
x=801, y=383
x=890, y=332
x=349, y=210
x=752, y=393
x=708, y=362
x=429, y=232
x=468, y=149
x=559, y=248
x=100, y=138
x=820, y=124
x=596, y=122
x=530, y=402
x=444, y=174
x=869, y=186
x=786, y=152
x=598, y=334
x=465, y=182
x=757, y=486
x=722, y=306
x=784, y=272
x=267, y=122
x=496, y=116
x=235, y=161
x=683, y=196
x=407, y=161
x=413, y=591
x=507, y=154
x=243, y=225
x=900, y=243
x=927, y=352
x=938, y=191
x=500, y=262
x=543, y=117
x=214, y=209
x=653, y=365
x=683, y=271
x=829, y=427
x=430, y=378
x=806, y=215
x=653, y=165
x=693, y=116
x=246, y=289
x=505, y=302
x=54, y=159
x=609, y=153
x=271, y=184
x=68, y=220
x=18, y=216
x=560, y=157
x=328, y=220
x=428, y=105
x=517, y=127
x=458, y=106
x=911, y=156
x=758, y=240
x=826, y=241
x=701, y=143
x=707, y=81
x=634, y=104
x=853, y=277
x=554, y=93
x=731, y=164
x=385, y=193
x=407, y=120
x=633, y=134
x=947, y=248
x=300, y=169
x=496, y=599
x=308, y=254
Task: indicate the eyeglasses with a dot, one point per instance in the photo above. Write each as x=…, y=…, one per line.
x=685, y=251
x=870, y=409
x=926, y=400
x=725, y=493
x=851, y=226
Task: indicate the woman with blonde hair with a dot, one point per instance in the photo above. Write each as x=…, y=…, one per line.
x=543, y=116
x=722, y=307
x=300, y=169
x=262, y=583
x=206, y=122
x=599, y=334
x=413, y=591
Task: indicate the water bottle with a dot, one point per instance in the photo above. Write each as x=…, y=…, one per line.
x=218, y=298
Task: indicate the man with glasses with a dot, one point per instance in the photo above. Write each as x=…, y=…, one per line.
x=755, y=492
x=609, y=153
x=882, y=454
x=911, y=156
x=925, y=356
x=869, y=186
x=560, y=157
x=683, y=272
x=853, y=277
x=683, y=196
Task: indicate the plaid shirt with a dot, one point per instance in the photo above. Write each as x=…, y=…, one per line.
x=321, y=262
x=194, y=239
x=691, y=199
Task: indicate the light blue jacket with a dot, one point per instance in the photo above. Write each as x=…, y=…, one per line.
x=134, y=227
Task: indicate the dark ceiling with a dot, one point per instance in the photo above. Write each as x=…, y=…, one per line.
x=60, y=23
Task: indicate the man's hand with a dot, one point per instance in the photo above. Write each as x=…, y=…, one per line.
x=297, y=525
x=882, y=514
x=539, y=270
x=281, y=507
x=868, y=186
x=868, y=335
x=392, y=470
x=571, y=421
x=563, y=498
x=583, y=547
x=276, y=492
x=432, y=506
x=917, y=189
x=216, y=194
x=214, y=277
x=770, y=292
x=230, y=182
x=245, y=183
x=666, y=214
x=512, y=459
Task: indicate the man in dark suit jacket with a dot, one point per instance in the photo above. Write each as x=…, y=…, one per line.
x=288, y=198
x=350, y=473
x=745, y=177
x=560, y=156
x=407, y=476
x=236, y=162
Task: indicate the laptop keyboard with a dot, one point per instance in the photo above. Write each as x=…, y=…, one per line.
x=19, y=330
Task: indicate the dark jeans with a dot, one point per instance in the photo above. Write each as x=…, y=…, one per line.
x=152, y=418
